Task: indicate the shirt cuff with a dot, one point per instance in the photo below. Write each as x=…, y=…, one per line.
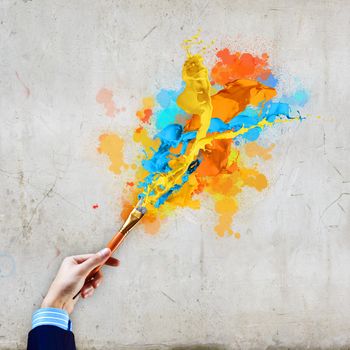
x=50, y=316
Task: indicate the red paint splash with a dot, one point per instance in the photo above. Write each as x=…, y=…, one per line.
x=95, y=206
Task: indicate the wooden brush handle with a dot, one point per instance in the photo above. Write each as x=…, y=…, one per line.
x=113, y=245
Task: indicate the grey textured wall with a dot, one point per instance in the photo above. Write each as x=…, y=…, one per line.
x=285, y=283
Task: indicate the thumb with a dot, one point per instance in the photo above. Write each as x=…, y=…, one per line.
x=95, y=260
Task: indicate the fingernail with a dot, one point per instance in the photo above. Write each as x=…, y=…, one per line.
x=88, y=290
x=104, y=252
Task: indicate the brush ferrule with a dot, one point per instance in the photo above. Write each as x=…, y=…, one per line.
x=132, y=220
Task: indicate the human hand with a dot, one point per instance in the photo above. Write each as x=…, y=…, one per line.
x=71, y=278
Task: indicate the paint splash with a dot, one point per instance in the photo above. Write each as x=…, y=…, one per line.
x=112, y=145
x=105, y=98
x=253, y=149
x=231, y=67
x=205, y=132
x=145, y=113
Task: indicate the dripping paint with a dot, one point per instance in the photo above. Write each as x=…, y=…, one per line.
x=196, y=139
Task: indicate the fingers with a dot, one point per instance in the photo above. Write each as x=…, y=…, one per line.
x=98, y=277
x=89, y=294
x=81, y=258
x=95, y=260
x=87, y=290
x=87, y=263
x=89, y=287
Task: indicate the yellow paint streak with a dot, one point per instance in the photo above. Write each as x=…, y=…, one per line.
x=141, y=136
x=195, y=99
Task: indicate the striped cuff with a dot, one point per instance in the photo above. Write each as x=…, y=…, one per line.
x=50, y=316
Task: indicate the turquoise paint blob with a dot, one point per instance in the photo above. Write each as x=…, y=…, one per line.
x=298, y=98
x=168, y=109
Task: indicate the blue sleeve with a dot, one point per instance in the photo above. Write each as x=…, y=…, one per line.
x=50, y=316
x=51, y=329
x=50, y=338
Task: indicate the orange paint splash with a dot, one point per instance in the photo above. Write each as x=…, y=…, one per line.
x=239, y=66
x=233, y=99
x=105, y=97
x=145, y=113
x=112, y=145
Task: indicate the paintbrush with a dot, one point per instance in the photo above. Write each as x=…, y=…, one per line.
x=134, y=217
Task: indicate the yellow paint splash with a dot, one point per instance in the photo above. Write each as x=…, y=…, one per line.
x=253, y=149
x=112, y=145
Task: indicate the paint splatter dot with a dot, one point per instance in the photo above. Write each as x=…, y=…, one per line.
x=95, y=206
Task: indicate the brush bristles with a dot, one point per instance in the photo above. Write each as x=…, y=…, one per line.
x=142, y=210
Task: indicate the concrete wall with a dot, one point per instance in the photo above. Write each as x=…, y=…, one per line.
x=285, y=283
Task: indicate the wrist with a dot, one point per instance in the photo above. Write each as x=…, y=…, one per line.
x=50, y=301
